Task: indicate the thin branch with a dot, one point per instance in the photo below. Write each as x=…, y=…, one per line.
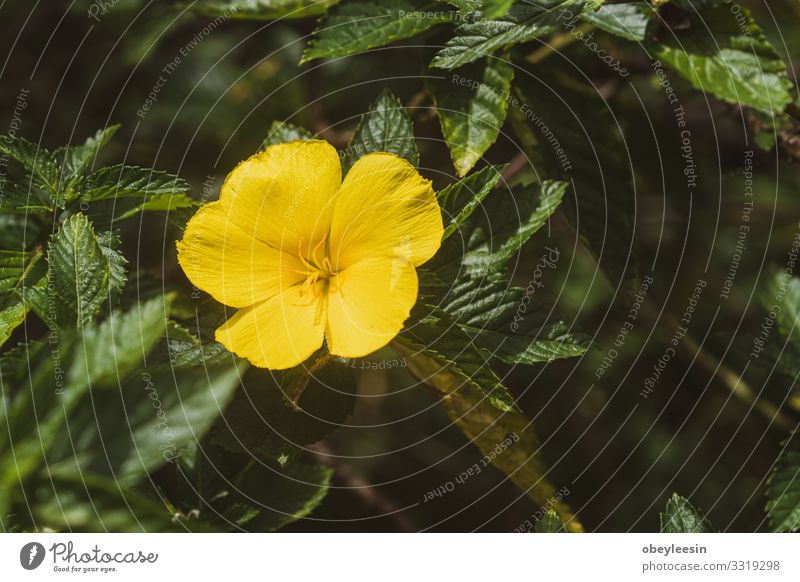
x=364, y=490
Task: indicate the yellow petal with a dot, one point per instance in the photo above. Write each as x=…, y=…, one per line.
x=384, y=208
x=279, y=333
x=284, y=195
x=367, y=305
x=233, y=267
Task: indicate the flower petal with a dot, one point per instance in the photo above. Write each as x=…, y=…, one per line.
x=367, y=305
x=385, y=208
x=229, y=264
x=279, y=333
x=284, y=194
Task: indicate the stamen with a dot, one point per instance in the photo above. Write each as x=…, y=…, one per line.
x=302, y=258
x=318, y=314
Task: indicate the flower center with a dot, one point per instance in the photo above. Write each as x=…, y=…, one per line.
x=319, y=270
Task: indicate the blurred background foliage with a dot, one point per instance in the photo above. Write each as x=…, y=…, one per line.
x=619, y=456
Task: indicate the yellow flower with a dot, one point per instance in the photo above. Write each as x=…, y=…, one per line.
x=305, y=256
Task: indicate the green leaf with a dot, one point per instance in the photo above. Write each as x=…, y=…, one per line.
x=432, y=333
x=12, y=313
x=357, y=26
x=591, y=152
x=283, y=132
x=259, y=9
x=110, y=242
x=15, y=271
x=41, y=392
x=157, y=203
x=20, y=199
x=264, y=498
x=549, y=523
x=78, y=272
x=122, y=181
x=506, y=438
x=87, y=502
x=495, y=8
x=780, y=287
x=262, y=422
x=186, y=354
x=13, y=266
x=783, y=487
x=459, y=200
x=681, y=517
x=17, y=231
x=487, y=241
x=509, y=323
x=628, y=21
x=74, y=161
x=37, y=161
x=384, y=128
x=117, y=347
x=718, y=57
x=524, y=22
x=471, y=104
x=163, y=413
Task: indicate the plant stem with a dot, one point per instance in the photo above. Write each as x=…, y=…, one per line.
x=693, y=351
x=556, y=42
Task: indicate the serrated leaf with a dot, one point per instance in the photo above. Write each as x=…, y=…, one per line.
x=549, y=523
x=116, y=348
x=186, y=354
x=629, y=20
x=783, y=487
x=37, y=161
x=681, y=516
x=12, y=313
x=718, y=57
x=13, y=266
x=460, y=199
x=384, y=128
x=432, y=333
x=161, y=430
x=74, y=161
x=260, y=421
x=164, y=412
x=231, y=492
x=266, y=499
x=493, y=235
x=157, y=203
x=20, y=199
x=121, y=181
x=110, y=242
x=283, y=132
x=506, y=323
x=353, y=27
x=591, y=152
x=78, y=272
x=15, y=271
x=487, y=428
x=471, y=104
x=259, y=9
x=524, y=22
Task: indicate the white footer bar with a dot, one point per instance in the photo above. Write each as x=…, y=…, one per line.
x=401, y=557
